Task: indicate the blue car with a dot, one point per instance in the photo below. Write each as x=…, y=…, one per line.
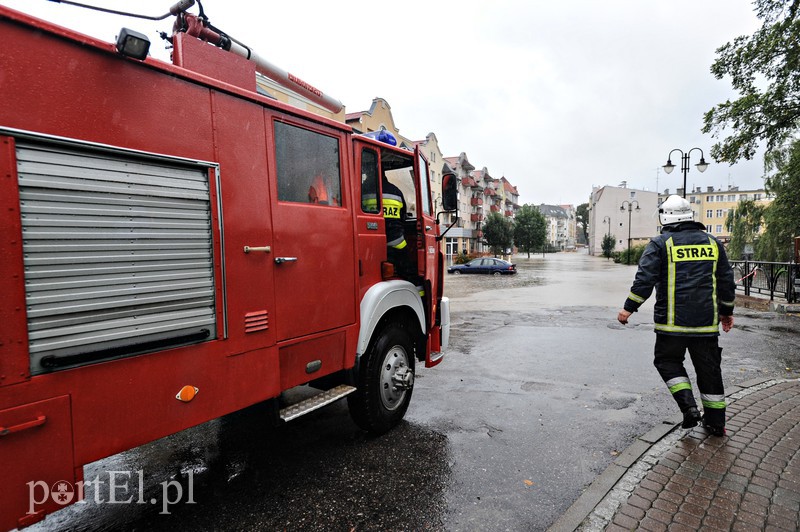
x=485, y=265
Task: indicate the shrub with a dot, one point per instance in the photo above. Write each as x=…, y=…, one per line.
x=463, y=258
x=621, y=257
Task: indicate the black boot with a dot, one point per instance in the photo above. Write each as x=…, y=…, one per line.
x=691, y=417
x=714, y=430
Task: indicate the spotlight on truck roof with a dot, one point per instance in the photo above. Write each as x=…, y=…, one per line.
x=133, y=44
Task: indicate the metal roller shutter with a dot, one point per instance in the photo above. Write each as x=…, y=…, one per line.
x=117, y=254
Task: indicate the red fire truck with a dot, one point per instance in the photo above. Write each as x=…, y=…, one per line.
x=177, y=245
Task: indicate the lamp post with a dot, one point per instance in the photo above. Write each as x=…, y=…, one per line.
x=701, y=166
x=630, y=211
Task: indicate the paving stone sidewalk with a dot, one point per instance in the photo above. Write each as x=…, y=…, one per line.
x=689, y=480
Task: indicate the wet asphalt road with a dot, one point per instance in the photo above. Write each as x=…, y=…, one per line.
x=540, y=389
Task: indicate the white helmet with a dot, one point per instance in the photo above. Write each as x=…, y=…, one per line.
x=675, y=209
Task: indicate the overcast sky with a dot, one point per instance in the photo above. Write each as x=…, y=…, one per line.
x=555, y=96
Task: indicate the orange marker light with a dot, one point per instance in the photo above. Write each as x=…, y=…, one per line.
x=186, y=394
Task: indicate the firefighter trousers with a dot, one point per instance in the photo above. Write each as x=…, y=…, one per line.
x=706, y=357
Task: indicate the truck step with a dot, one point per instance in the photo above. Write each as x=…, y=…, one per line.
x=313, y=403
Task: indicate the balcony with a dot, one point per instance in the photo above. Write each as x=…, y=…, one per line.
x=494, y=208
x=478, y=234
x=509, y=214
x=476, y=217
x=476, y=201
x=489, y=192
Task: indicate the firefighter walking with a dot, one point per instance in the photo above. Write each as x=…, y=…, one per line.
x=695, y=293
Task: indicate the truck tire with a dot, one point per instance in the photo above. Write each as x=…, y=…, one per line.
x=385, y=380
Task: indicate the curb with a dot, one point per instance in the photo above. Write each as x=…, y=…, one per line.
x=637, y=460
x=784, y=308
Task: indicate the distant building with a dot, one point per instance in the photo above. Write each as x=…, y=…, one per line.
x=560, y=225
x=479, y=195
x=608, y=214
x=711, y=206
x=466, y=235
x=572, y=227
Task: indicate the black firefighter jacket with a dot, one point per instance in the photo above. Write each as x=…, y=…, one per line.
x=692, y=277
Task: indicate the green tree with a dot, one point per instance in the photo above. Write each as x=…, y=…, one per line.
x=498, y=232
x=530, y=229
x=582, y=217
x=763, y=69
x=743, y=223
x=608, y=245
x=782, y=216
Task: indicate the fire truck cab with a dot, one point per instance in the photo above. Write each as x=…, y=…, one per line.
x=177, y=246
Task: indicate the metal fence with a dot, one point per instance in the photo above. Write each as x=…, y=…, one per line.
x=777, y=279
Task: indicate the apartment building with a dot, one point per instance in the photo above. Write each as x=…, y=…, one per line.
x=711, y=206
x=561, y=226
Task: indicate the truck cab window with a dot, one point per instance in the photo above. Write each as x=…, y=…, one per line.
x=423, y=183
x=403, y=178
x=308, y=166
x=369, y=182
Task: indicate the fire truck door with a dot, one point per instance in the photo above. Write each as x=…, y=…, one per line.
x=313, y=249
x=427, y=249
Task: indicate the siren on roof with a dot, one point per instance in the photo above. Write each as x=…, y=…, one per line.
x=382, y=136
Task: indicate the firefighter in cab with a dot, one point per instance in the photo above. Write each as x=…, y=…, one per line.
x=394, y=212
x=695, y=293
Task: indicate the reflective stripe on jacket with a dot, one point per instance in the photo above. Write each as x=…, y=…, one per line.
x=693, y=280
x=394, y=212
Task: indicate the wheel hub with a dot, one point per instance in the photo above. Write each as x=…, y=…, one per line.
x=396, y=377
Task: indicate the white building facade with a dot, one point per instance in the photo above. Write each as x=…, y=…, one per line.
x=609, y=214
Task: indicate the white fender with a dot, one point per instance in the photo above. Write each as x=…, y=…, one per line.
x=382, y=298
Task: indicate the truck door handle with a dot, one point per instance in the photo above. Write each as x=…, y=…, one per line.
x=281, y=260
x=265, y=249
x=428, y=227
x=5, y=431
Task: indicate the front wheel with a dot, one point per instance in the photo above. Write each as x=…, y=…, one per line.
x=385, y=381
x=497, y=274
x=456, y=272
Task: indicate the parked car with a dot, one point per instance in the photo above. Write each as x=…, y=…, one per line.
x=484, y=265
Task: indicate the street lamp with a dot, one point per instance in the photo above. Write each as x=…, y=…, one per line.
x=701, y=166
x=630, y=210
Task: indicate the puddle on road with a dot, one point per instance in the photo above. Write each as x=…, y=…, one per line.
x=458, y=286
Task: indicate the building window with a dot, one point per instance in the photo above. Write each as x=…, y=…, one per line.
x=719, y=229
x=719, y=213
x=742, y=197
x=710, y=199
x=709, y=213
x=720, y=198
x=731, y=197
x=756, y=197
x=708, y=229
